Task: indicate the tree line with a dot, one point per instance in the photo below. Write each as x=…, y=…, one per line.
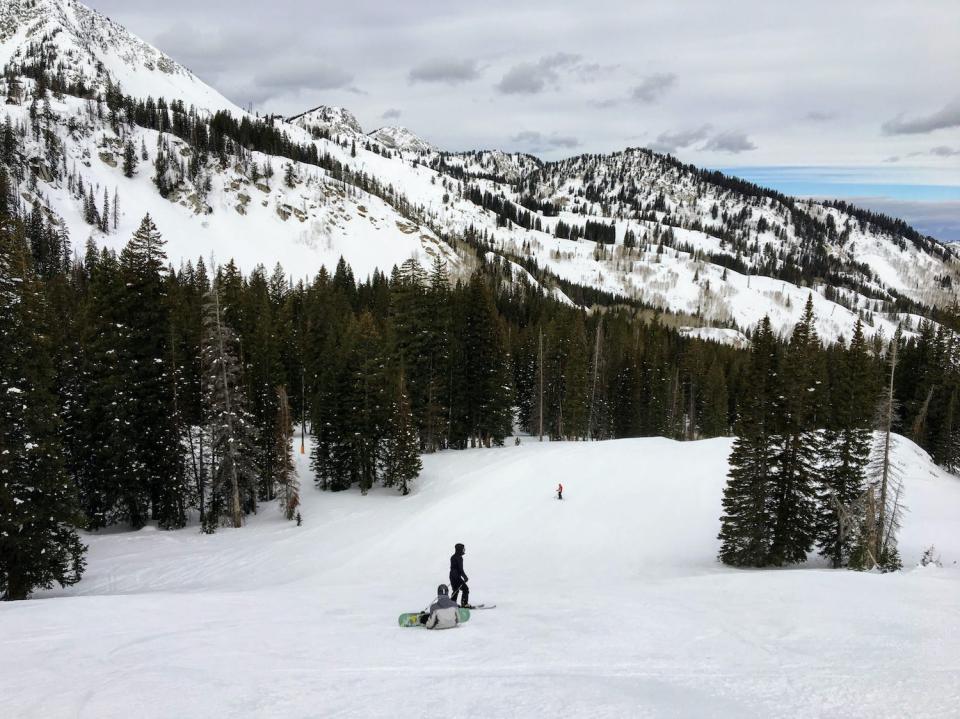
x=133, y=392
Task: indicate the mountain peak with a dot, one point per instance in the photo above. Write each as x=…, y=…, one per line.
x=328, y=118
x=396, y=137
x=96, y=50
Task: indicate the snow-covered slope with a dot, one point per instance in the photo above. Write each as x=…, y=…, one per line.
x=258, y=220
x=610, y=604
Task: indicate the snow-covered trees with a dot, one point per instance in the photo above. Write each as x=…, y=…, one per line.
x=232, y=432
x=125, y=452
x=480, y=386
x=770, y=502
x=400, y=452
x=392, y=366
x=151, y=422
x=38, y=511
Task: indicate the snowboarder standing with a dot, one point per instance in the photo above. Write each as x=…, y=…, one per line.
x=458, y=580
x=559, y=491
x=443, y=612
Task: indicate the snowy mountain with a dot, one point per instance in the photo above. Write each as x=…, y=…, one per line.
x=248, y=208
x=609, y=603
x=95, y=52
x=328, y=120
x=400, y=138
x=715, y=253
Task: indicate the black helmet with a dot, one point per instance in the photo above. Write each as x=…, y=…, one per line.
x=442, y=591
x=459, y=548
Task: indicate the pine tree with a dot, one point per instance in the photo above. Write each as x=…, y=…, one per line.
x=401, y=457
x=129, y=159
x=100, y=436
x=949, y=449
x=160, y=167
x=798, y=472
x=155, y=449
x=747, y=524
x=232, y=432
x=715, y=414
x=38, y=511
x=410, y=308
x=481, y=394
x=105, y=214
x=435, y=426
x=847, y=453
x=363, y=411
x=263, y=367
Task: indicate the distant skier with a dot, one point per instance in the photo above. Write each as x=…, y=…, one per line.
x=559, y=491
x=442, y=613
x=458, y=580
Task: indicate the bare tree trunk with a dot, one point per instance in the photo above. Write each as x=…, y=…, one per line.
x=872, y=533
x=887, y=531
x=236, y=513
x=885, y=474
x=920, y=423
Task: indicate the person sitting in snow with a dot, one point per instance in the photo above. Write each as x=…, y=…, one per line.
x=458, y=580
x=443, y=613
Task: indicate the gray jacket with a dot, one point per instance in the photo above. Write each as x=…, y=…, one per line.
x=444, y=613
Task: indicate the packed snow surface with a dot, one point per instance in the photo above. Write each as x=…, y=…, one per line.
x=610, y=604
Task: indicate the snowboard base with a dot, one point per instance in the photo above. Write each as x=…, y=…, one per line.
x=412, y=619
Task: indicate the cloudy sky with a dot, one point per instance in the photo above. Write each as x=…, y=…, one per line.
x=869, y=87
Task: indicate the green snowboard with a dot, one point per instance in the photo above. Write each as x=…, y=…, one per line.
x=412, y=619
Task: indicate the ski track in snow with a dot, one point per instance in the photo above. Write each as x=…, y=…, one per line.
x=610, y=604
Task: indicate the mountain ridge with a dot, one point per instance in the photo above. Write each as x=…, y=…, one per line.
x=633, y=224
